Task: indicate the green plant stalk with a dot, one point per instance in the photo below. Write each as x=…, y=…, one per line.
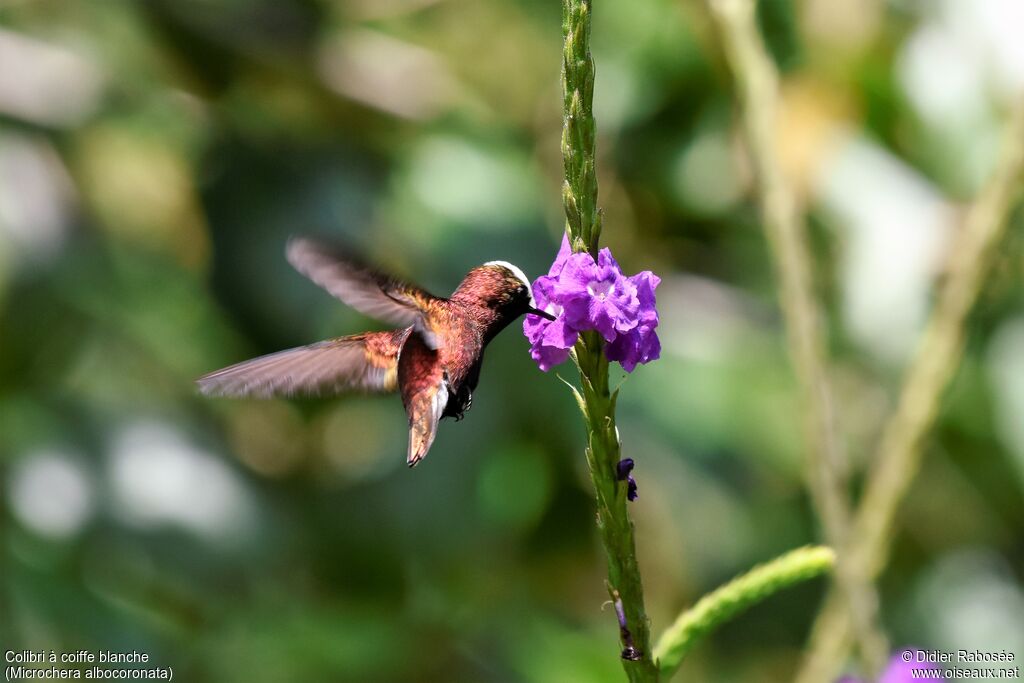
x=737, y=595
x=901, y=448
x=757, y=88
x=583, y=225
x=613, y=522
x=579, y=192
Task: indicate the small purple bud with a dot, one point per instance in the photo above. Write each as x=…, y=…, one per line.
x=629, y=652
x=623, y=469
x=621, y=614
x=622, y=473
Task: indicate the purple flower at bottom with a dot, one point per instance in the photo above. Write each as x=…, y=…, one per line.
x=900, y=670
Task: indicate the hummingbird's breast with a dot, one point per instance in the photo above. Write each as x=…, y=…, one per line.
x=461, y=338
x=420, y=371
x=460, y=333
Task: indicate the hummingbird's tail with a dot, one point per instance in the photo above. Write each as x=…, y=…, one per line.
x=425, y=410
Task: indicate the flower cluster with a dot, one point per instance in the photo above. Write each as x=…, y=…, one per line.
x=583, y=294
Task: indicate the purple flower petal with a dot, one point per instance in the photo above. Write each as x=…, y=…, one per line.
x=623, y=468
x=901, y=671
x=564, y=251
x=543, y=291
x=601, y=317
x=645, y=282
x=622, y=473
x=548, y=357
x=640, y=345
x=597, y=296
x=606, y=260
x=533, y=327
x=621, y=349
x=578, y=271
x=550, y=341
x=558, y=334
x=648, y=346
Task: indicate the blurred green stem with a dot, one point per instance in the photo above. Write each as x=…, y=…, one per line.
x=737, y=595
x=757, y=87
x=898, y=459
x=583, y=224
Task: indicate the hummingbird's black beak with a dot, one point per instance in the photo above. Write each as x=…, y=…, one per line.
x=543, y=314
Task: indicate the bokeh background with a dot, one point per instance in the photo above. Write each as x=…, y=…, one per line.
x=156, y=154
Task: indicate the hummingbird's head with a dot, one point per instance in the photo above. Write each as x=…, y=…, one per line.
x=499, y=286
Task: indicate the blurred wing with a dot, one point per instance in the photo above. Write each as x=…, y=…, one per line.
x=365, y=362
x=371, y=293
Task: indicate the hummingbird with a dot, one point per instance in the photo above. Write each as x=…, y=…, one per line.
x=432, y=359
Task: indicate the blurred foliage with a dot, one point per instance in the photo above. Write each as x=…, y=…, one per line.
x=156, y=155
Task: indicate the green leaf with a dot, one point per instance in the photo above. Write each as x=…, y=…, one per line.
x=725, y=602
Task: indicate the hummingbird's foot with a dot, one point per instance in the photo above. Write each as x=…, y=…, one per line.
x=464, y=405
x=459, y=404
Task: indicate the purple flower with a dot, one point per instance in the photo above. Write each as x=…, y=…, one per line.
x=584, y=294
x=622, y=473
x=901, y=669
x=623, y=468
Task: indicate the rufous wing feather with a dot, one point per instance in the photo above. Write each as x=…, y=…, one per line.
x=368, y=291
x=364, y=362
